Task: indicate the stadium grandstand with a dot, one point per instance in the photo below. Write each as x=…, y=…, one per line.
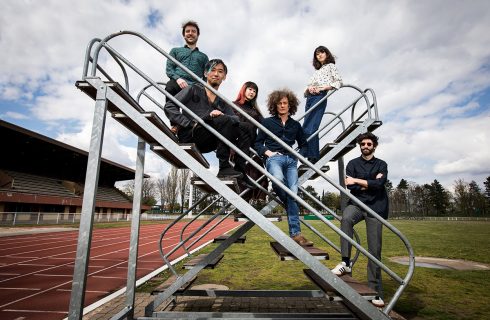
x=42, y=181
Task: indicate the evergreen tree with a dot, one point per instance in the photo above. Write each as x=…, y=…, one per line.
x=477, y=199
x=487, y=188
x=439, y=198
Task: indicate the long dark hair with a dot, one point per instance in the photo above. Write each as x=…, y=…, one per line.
x=240, y=99
x=330, y=58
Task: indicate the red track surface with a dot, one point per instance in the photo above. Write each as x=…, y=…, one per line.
x=36, y=271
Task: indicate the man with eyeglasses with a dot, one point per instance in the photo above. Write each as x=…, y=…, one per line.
x=365, y=178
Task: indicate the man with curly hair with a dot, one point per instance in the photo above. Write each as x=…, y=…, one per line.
x=282, y=104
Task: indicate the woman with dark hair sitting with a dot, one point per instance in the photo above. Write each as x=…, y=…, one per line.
x=247, y=101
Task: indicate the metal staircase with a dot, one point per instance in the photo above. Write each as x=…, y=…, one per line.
x=111, y=97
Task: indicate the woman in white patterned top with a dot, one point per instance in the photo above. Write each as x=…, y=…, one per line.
x=326, y=77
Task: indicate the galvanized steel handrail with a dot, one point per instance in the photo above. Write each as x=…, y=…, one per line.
x=403, y=282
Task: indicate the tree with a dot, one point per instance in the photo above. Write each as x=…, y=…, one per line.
x=487, y=188
x=439, y=198
x=183, y=186
x=147, y=191
x=331, y=200
x=461, y=197
x=171, y=188
x=398, y=199
x=477, y=199
x=161, y=191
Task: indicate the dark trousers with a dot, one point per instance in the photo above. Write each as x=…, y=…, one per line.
x=374, y=231
x=172, y=87
x=205, y=141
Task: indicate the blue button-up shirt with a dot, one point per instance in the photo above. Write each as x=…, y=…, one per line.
x=290, y=133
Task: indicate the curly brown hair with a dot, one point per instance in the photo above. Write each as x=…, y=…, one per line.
x=276, y=95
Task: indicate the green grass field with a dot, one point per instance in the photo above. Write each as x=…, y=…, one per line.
x=432, y=293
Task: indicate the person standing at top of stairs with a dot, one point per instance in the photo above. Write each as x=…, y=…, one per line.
x=282, y=104
x=326, y=77
x=190, y=56
x=366, y=177
x=215, y=112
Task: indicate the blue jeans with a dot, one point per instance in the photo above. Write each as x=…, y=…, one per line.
x=284, y=168
x=312, y=123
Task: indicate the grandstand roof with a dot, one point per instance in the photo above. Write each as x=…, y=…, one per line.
x=30, y=152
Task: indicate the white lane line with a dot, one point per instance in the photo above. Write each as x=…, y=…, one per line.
x=150, y=275
x=9, y=274
x=74, y=251
x=109, y=277
x=71, y=262
x=91, y=291
x=20, y=289
x=34, y=311
x=90, y=274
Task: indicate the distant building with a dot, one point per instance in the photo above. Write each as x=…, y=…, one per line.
x=41, y=175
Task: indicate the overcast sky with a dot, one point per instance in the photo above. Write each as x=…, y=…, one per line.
x=427, y=61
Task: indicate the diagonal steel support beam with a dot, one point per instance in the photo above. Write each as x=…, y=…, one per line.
x=360, y=305
x=150, y=308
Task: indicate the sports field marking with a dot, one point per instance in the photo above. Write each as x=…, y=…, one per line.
x=109, y=267
x=74, y=251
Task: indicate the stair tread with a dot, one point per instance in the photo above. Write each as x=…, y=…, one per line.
x=329, y=146
x=167, y=283
x=131, y=125
x=284, y=254
x=92, y=92
x=196, y=260
x=201, y=184
x=224, y=237
x=360, y=287
x=190, y=148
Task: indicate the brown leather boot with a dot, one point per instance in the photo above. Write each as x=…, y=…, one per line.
x=299, y=239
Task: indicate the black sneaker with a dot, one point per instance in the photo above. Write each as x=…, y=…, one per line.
x=247, y=183
x=229, y=173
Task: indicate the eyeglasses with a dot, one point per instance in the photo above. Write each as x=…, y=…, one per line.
x=366, y=144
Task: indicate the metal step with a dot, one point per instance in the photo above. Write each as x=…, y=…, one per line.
x=303, y=168
x=201, y=184
x=190, y=148
x=197, y=260
x=167, y=283
x=329, y=146
x=136, y=129
x=242, y=217
x=353, y=126
x=244, y=315
x=226, y=236
x=92, y=92
x=284, y=254
x=360, y=287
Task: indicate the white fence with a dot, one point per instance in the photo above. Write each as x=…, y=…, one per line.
x=37, y=218
x=442, y=218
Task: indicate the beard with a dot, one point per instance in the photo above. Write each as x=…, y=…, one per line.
x=367, y=151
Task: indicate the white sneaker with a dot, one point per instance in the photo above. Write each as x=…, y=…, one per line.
x=341, y=269
x=378, y=302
